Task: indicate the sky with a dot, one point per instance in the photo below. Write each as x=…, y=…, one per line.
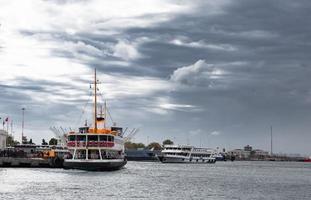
x=206, y=73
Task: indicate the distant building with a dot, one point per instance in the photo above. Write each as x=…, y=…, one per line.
x=240, y=153
x=249, y=153
x=248, y=148
x=3, y=136
x=259, y=152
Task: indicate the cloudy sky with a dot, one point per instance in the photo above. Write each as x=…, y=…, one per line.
x=204, y=72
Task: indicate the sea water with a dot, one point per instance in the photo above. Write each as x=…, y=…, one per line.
x=153, y=180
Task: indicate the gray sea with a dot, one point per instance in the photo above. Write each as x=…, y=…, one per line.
x=147, y=180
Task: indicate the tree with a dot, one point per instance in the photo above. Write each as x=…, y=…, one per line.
x=44, y=142
x=167, y=141
x=130, y=145
x=11, y=142
x=154, y=145
x=140, y=146
x=30, y=141
x=53, y=141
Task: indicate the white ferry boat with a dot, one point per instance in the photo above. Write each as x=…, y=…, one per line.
x=186, y=154
x=97, y=148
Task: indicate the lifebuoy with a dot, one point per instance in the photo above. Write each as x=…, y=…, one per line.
x=57, y=162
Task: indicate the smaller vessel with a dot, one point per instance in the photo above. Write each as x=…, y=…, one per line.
x=142, y=154
x=307, y=159
x=220, y=157
x=186, y=154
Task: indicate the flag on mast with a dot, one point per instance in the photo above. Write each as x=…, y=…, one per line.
x=7, y=125
x=5, y=120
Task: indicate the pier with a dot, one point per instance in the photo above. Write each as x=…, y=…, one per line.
x=25, y=162
x=32, y=156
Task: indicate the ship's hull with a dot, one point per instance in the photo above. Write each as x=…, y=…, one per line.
x=151, y=159
x=166, y=159
x=95, y=165
x=141, y=155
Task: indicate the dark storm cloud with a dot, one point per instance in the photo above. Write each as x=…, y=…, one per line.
x=270, y=39
x=255, y=72
x=270, y=31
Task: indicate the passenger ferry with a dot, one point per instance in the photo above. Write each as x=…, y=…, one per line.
x=186, y=154
x=97, y=148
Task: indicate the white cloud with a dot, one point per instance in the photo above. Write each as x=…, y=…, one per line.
x=33, y=56
x=126, y=51
x=200, y=73
x=84, y=16
x=119, y=86
x=82, y=47
x=171, y=106
x=202, y=44
x=166, y=104
x=215, y=133
x=252, y=34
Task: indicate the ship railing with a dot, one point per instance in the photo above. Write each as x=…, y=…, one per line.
x=177, y=156
x=90, y=144
x=174, y=151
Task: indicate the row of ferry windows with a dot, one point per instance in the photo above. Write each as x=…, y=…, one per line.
x=172, y=148
x=186, y=154
x=106, y=138
x=94, y=154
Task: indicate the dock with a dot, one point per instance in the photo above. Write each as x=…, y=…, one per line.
x=30, y=162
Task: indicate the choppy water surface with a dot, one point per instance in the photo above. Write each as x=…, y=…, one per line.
x=143, y=180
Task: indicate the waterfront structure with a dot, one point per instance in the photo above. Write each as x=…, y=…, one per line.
x=248, y=148
x=260, y=153
x=186, y=154
x=239, y=153
x=97, y=148
x=142, y=154
x=248, y=152
x=244, y=153
x=3, y=138
x=31, y=155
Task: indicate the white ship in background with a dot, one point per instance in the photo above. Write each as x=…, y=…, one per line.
x=186, y=154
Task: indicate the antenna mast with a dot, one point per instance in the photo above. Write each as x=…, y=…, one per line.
x=105, y=114
x=23, y=113
x=271, y=140
x=95, y=103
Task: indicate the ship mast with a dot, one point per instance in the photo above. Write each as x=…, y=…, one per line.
x=105, y=114
x=95, y=103
x=271, y=141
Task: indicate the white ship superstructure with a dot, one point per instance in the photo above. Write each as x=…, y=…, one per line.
x=186, y=154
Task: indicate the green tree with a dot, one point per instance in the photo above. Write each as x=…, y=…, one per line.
x=11, y=142
x=154, y=145
x=140, y=146
x=53, y=141
x=130, y=145
x=44, y=142
x=30, y=141
x=167, y=142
